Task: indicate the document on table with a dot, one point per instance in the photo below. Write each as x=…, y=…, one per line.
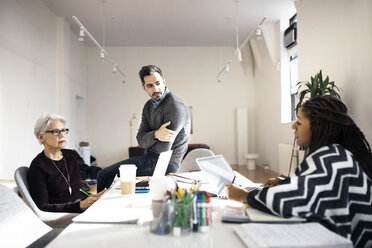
x=256, y=215
x=290, y=235
x=116, y=208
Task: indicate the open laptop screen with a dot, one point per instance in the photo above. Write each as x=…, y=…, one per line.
x=160, y=169
x=217, y=170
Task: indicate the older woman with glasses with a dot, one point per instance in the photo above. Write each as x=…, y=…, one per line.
x=54, y=174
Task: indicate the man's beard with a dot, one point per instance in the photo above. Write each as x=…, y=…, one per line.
x=157, y=96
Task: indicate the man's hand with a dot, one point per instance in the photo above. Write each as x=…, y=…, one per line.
x=165, y=134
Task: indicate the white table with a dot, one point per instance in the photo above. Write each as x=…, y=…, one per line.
x=112, y=203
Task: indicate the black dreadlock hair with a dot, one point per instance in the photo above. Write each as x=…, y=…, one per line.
x=330, y=123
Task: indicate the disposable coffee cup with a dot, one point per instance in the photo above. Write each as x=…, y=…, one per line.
x=128, y=178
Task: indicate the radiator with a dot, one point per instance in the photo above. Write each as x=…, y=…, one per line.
x=241, y=135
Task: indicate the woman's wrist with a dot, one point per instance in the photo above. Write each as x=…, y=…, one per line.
x=244, y=198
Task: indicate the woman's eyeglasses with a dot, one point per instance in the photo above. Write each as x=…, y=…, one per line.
x=57, y=132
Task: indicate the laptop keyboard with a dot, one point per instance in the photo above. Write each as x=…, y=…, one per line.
x=249, y=189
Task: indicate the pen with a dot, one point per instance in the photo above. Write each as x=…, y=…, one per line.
x=85, y=192
x=233, y=179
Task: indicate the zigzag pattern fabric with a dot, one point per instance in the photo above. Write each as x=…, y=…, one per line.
x=331, y=188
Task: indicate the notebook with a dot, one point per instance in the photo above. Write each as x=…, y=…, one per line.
x=220, y=173
x=160, y=169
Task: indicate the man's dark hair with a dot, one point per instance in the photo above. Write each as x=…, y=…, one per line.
x=148, y=70
x=330, y=123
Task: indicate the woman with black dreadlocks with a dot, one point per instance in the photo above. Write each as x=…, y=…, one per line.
x=333, y=184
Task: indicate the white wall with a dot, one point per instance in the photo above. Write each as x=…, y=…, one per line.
x=190, y=73
x=335, y=36
x=35, y=46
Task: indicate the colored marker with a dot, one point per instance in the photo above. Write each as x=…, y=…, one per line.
x=202, y=214
x=208, y=212
x=198, y=211
x=194, y=216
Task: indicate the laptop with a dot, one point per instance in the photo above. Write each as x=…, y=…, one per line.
x=160, y=170
x=219, y=173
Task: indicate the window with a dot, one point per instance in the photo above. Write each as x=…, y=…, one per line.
x=293, y=68
x=289, y=75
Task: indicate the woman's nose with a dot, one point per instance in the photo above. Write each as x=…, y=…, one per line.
x=294, y=125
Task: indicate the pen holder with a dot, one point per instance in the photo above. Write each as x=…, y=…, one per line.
x=183, y=217
x=163, y=216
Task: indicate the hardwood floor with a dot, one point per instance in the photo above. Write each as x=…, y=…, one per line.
x=259, y=175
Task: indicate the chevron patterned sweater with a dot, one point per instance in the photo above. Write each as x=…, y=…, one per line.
x=329, y=187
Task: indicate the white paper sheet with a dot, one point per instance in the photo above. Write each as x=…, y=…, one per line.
x=289, y=235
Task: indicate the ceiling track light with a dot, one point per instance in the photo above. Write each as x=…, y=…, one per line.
x=239, y=48
x=115, y=69
x=84, y=32
x=251, y=34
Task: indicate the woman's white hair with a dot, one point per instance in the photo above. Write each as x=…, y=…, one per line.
x=44, y=121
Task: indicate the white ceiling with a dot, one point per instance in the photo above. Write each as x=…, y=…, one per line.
x=169, y=22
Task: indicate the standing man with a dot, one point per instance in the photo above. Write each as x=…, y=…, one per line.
x=165, y=125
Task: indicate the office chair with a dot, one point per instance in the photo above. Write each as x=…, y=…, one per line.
x=53, y=219
x=189, y=163
x=19, y=226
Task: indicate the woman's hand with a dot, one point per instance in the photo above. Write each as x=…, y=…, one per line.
x=236, y=193
x=84, y=204
x=273, y=181
x=99, y=194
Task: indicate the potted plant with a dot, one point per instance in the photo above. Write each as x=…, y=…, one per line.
x=317, y=87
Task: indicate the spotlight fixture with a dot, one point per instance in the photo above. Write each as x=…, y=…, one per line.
x=258, y=33
x=85, y=33
x=257, y=30
x=82, y=34
x=239, y=54
x=225, y=68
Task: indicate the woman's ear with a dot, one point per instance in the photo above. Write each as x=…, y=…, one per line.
x=40, y=137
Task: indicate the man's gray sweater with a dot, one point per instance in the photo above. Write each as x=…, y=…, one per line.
x=173, y=109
